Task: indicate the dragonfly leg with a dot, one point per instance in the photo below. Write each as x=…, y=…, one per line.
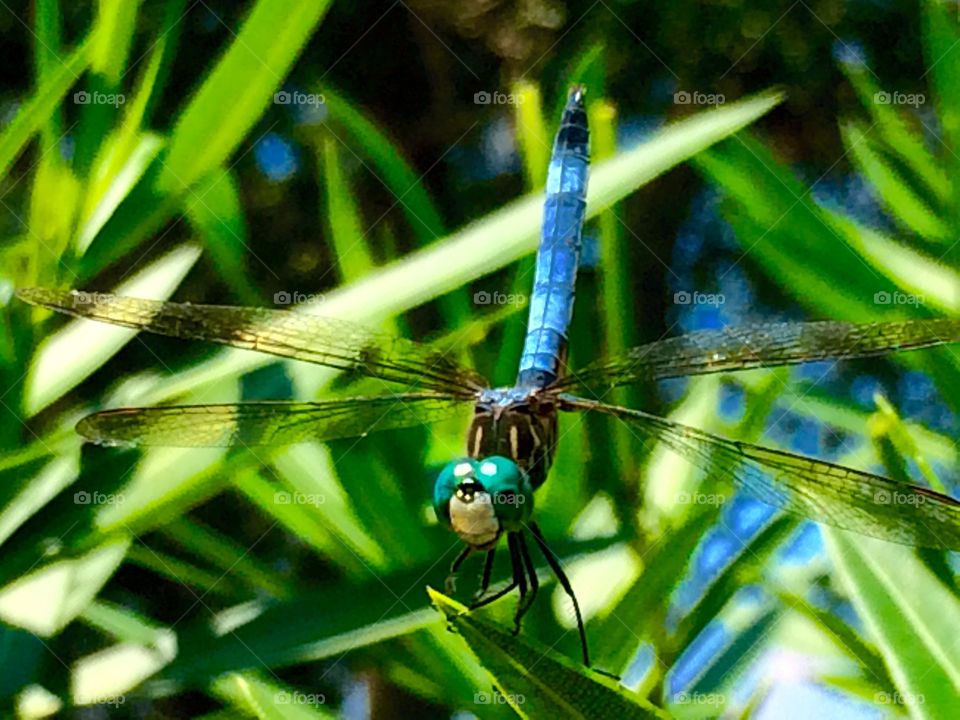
x=554, y=564
x=531, y=572
x=480, y=602
x=519, y=577
x=450, y=584
x=485, y=578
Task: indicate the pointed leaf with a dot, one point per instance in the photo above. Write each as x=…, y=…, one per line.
x=537, y=682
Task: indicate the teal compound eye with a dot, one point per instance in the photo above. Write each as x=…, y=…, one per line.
x=497, y=480
x=510, y=490
x=452, y=475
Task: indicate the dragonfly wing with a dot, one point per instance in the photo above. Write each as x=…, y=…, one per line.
x=325, y=341
x=767, y=345
x=843, y=497
x=264, y=423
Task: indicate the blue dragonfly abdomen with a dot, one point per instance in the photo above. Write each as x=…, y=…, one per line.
x=558, y=256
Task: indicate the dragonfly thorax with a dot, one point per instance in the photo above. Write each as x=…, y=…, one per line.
x=518, y=423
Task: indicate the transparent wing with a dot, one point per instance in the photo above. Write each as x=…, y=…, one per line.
x=846, y=498
x=768, y=345
x=264, y=423
x=324, y=341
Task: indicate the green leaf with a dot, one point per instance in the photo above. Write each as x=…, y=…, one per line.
x=228, y=557
x=532, y=134
x=615, y=179
x=941, y=33
x=375, y=148
x=115, y=174
x=216, y=214
x=349, y=242
x=47, y=600
x=325, y=516
x=904, y=203
x=317, y=623
x=887, y=424
x=826, y=260
x=116, y=24
x=43, y=487
x=897, y=135
x=48, y=52
x=936, y=284
x=535, y=681
x=909, y=614
x=110, y=673
x=267, y=700
x=35, y=113
x=238, y=90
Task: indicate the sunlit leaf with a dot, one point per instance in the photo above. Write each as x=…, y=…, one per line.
x=559, y=688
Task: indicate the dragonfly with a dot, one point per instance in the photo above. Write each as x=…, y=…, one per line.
x=488, y=494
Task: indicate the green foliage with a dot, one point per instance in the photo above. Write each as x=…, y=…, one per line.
x=156, y=573
x=558, y=688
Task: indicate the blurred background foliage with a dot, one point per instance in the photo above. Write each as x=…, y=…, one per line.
x=145, y=150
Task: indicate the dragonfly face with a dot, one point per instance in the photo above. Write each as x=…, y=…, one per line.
x=518, y=423
x=481, y=499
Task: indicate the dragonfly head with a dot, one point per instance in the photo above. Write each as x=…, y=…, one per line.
x=479, y=499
